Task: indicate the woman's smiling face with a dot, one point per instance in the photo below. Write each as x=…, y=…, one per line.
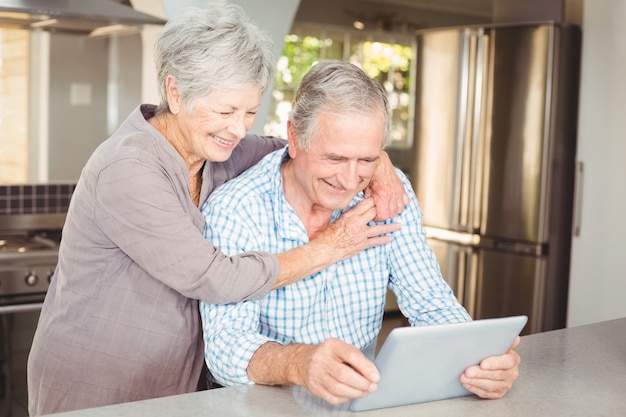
x=219, y=121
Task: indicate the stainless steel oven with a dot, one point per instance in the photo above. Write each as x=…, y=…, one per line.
x=28, y=257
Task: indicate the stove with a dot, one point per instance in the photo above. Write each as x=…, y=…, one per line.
x=29, y=247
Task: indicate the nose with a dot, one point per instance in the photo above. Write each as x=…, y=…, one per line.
x=349, y=177
x=238, y=126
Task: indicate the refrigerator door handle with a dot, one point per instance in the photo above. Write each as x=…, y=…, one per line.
x=479, y=132
x=460, y=193
x=578, y=197
x=469, y=130
x=445, y=235
x=461, y=281
x=470, y=284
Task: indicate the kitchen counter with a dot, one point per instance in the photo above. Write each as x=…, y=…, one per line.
x=579, y=371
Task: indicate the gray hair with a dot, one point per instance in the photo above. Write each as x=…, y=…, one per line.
x=339, y=87
x=215, y=48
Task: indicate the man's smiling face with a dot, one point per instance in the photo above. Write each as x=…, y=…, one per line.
x=341, y=159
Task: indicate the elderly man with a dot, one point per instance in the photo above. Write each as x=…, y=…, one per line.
x=321, y=332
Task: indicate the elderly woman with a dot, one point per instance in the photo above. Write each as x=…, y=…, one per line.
x=120, y=321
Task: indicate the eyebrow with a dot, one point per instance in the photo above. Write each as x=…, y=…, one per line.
x=338, y=156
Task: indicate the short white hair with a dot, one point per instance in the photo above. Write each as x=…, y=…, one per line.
x=215, y=48
x=340, y=87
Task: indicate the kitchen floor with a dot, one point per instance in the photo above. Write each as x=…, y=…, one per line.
x=18, y=407
x=16, y=410
x=13, y=357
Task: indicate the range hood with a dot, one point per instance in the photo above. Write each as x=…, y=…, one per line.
x=94, y=17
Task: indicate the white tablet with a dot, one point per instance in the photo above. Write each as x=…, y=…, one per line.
x=419, y=364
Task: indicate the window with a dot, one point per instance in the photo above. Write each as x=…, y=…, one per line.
x=14, y=49
x=388, y=61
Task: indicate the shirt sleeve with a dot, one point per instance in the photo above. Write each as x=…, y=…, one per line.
x=424, y=297
x=230, y=338
x=231, y=331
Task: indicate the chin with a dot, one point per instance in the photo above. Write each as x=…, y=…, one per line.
x=219, y=156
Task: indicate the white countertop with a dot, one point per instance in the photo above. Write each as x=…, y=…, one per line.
x=573, y=372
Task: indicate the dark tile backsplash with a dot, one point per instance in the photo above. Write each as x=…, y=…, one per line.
x=35, y=199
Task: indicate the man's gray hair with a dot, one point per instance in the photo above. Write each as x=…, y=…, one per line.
x=339, y=87
x=215, y=48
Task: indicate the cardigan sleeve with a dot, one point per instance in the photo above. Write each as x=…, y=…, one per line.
x=249, y=151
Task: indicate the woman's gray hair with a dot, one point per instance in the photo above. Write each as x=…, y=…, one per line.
x=339, y=87
x=215, y=48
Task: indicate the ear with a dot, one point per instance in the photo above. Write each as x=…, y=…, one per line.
x=174, y=100
x=292, y=140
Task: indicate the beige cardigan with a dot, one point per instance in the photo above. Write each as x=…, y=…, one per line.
x=120, y=321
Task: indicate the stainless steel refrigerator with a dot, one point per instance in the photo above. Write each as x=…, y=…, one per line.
x=493, y=164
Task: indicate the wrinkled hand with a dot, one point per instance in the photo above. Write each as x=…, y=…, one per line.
x=494, y=376
x=336, y=371
x=387, y=190
x=350, y=234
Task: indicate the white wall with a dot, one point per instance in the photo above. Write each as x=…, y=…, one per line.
x=528, y=10
x=344, y=12
x=76, y=125
x=598, y=267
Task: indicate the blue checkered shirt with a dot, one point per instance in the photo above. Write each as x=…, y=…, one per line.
x=345, y=301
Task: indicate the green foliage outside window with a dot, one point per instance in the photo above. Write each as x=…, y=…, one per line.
x=387, y=63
